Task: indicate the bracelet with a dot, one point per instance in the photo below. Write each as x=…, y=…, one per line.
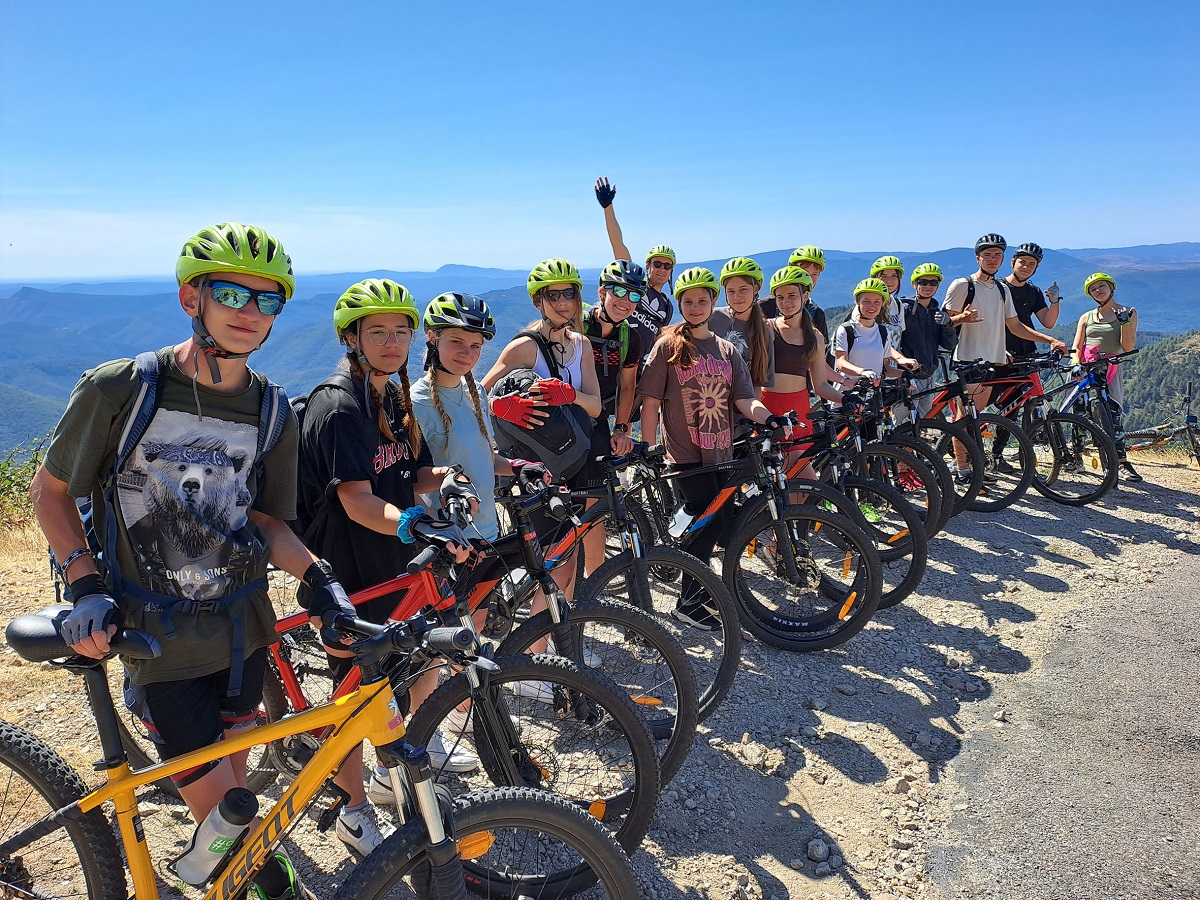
x=66, y=563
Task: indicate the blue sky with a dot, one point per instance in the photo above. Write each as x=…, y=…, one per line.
x=406, y=136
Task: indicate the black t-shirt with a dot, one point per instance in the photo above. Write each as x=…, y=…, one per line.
x=341, y=442
x=607, y=354
x=1028, y=300
x=652, y=314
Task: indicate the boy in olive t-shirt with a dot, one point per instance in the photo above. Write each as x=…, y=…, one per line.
x=197, y=516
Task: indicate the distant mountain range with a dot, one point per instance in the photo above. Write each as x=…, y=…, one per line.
x=50, y=333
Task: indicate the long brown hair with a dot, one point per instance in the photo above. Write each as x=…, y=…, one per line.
x=760, y=345
x=408, y=421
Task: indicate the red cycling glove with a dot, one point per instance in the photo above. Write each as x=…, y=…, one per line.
x=515, y=408
x=555, y=392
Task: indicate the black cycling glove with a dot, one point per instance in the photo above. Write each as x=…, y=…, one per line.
x=605, y=192
x=327, y=593
x=775, y=422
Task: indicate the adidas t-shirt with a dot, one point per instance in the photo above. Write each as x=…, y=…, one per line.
x=651, y=315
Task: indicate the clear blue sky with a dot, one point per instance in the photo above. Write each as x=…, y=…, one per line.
x=405, y=136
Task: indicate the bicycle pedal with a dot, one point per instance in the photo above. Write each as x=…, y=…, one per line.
x=328, y=816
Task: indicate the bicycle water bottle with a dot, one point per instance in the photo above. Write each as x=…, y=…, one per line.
x=216, y=836
x=680, y=523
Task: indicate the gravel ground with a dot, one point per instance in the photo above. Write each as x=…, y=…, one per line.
x=1022, y=727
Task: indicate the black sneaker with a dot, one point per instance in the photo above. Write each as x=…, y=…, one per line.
x=1002, y=465
x=1128, y=473
x=697, y=615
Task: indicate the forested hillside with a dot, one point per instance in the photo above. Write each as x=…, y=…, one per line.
x=1155, y=379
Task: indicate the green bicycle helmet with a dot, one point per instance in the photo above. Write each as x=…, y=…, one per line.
x=553, y=271
x=873, y=286
x=660, y=250
x=791, y=275
x=367, y=298
x=886, y=262
x=697, y=276
x=1094, y=279
x=807, y=253
x=465, y=311
x=925, y=269
x=744, y=266
x=233, y=247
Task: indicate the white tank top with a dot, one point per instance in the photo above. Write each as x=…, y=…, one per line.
x=570, y=373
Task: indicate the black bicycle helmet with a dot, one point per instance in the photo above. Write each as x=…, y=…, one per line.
x=623, y=273
x=465, y=311
x=988, y=241
x=1029, y=250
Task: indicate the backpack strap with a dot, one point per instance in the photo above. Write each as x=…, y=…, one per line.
x=544, y=346
x=272, y=417
x=142, y=412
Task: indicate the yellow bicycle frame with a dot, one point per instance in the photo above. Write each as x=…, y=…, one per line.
x=370, y=713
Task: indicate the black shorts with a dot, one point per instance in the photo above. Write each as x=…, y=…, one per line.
x=186, y=715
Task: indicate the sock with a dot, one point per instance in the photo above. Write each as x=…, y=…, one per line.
x=351, y=810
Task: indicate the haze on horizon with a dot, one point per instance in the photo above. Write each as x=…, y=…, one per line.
x=404, y=138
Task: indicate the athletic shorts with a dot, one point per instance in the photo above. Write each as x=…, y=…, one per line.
x=781, y=404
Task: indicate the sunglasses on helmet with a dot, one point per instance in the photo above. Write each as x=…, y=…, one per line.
x=624, y=293
x=235, y=297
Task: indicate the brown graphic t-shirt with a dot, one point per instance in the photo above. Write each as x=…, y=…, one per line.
x=698, y=400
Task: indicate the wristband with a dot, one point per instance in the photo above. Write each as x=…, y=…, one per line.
x=85, y=585
x=66, y=563
x=404, y=527
x=318, y=574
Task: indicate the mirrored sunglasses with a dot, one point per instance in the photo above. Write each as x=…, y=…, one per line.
x=235, y=297
x=625, y=293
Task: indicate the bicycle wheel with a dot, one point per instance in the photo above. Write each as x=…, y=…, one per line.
x=1076, y=460
x=833, y=594
x=940, y=468
x=514, y=843
x=578, y=735
x=906, y=472
x=715, y=654
x=942, y=434
x=140, y=748
x=80, y=858
x=887, y=517
x=1009, y=476
x=641, y=656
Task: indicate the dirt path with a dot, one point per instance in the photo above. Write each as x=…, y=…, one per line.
x=1023, y=727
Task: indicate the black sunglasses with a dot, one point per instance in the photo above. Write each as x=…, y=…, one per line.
x=565, y=294
x=659, y=264
x=926, y=282
x=235, y=297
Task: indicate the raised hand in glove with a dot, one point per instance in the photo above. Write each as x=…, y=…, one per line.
x=1124, y=314
x=325, y=596
x=519, y=410
x=93, y=620
x=941, y=318
x=555, y=392
x=605, y=192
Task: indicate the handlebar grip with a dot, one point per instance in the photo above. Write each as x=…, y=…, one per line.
x=450, y=640
x=422, y=560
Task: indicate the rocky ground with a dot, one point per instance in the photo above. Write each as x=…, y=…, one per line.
x=1025, y=726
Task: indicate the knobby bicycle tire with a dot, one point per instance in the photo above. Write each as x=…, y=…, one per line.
x=715, y=655
x=500, y=863
x=906, y=472
x=1008, y=488
x=1076, y=460
x=562, y=746
x=886, y=516
x=641, y=656
x=965, y=492
x=938, y=465
x=35, y=781
x=838, y=586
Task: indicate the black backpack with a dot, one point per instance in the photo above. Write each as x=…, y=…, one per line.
x=563, y=440
x=342, y=381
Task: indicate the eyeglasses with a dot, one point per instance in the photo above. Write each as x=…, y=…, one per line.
x=659, y=264
x=928, y=282
x=624, y=293
x=570, y=293
x=235, y=297
x=380, y=336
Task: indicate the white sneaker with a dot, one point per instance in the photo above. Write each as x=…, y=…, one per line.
x=360, y=831
x=457, y=760
x=590, y=659
x=379, y=790
x=459, y=722
x=534, y=690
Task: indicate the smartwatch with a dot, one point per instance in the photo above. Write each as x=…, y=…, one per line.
x=622, y=428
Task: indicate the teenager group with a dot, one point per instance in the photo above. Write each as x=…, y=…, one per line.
x=194, y=513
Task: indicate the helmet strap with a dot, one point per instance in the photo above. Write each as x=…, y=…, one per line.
x=208, y=344
x=433, y=359
x=362, y=357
